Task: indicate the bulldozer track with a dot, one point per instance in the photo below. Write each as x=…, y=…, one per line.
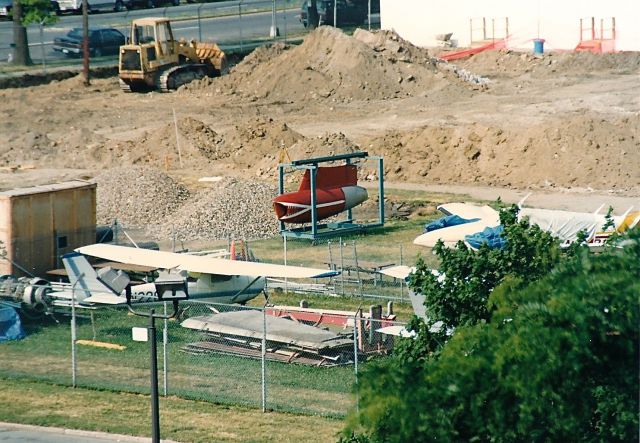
x=170, y=79
x=124, y=86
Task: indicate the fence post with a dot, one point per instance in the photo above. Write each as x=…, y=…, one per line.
x=165, y=336
x=73, y=336
x=199, y=23
x=264, y=357
x=355, y=254
x=341, y=266
x=286, y=280
x=284, y=10
x=355, y=358
x=240, y=24
x=401, y=280
x=44, y=58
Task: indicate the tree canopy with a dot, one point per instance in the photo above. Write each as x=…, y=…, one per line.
x=545, y=348
x=26, y=12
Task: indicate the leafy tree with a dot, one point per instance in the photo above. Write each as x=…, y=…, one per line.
x=553, y=357
x=459, y=294
x=26, y=12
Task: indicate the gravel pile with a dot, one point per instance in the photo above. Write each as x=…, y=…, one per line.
x=137, y=196
x=235, y=209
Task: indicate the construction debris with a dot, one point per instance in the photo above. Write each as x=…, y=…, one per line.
x=241, y=333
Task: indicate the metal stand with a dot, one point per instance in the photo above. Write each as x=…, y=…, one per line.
x=317, y=231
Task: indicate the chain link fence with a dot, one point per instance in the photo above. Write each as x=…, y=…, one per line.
x=296, y=360
x=237, y=26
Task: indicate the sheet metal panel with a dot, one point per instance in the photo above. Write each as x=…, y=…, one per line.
x=32, y=219
x=249, y=324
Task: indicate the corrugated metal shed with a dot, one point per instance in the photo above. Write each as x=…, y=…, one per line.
x=41, y=223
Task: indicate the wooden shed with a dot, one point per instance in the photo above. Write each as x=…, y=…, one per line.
x=40, y=224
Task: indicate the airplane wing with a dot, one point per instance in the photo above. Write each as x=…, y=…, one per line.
x=468, y=211
x=399, y=271
x=194, y=263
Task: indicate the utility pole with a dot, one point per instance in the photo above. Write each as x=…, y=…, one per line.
x=85, y=42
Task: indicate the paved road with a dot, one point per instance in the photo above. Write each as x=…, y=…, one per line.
x=16, y=433
x=579, y=200
x=231, y=28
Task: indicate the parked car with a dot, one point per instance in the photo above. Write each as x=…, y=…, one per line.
x=75, y=6
x=150, y=3
x=102, y=41
x=349, y=12
x=5, y=9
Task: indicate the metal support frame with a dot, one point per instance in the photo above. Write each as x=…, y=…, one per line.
x=325, y=230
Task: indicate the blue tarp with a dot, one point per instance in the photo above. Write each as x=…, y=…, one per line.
x=490, y=236
x=10, y=325
x=449, y=220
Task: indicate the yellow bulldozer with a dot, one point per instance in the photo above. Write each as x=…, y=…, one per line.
x=154, y=59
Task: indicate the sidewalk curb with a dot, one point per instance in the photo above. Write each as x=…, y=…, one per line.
x=80, y=433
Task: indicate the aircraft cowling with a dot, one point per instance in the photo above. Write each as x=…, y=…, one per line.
x=295, y=207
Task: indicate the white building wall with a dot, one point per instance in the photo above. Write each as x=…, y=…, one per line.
x=556, y=21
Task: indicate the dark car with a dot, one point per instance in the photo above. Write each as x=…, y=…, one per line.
x=102, y=41
x=350, y=12
x=150, y=3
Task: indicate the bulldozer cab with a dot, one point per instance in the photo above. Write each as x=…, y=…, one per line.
x=156, y=31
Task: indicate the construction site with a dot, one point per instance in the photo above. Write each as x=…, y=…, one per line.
x=197, y=166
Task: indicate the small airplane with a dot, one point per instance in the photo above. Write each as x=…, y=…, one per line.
x=208, y=278
x=336, y=191
x=463, y=221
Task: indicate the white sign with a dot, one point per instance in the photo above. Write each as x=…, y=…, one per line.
x=139, y=334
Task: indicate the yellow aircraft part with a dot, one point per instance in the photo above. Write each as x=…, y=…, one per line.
x=101, y=344
x=630, y=221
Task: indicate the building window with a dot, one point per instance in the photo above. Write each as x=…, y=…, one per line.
x=63, y=242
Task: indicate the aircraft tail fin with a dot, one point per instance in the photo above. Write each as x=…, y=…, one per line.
x=329, y=177
x=85, y=281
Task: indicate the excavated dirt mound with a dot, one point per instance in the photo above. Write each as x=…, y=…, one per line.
x=561, y=120
x=581, y=151
x=569, y=63
x=257, y=142
x=197, y=146
x=320, y=146
x=328, y=64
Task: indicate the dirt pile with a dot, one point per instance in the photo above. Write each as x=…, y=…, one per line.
x=257, y=142
x=321, y=146
x=511, y=63
x=197, y=146
x=581, y=151
x=327, y=65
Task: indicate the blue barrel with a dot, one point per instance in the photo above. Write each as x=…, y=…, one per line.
x=538, y=45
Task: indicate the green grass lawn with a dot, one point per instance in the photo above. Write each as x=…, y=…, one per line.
x=45, y=404
x=45, y=355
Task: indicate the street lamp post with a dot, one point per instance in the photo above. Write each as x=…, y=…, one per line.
x=168, y=287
